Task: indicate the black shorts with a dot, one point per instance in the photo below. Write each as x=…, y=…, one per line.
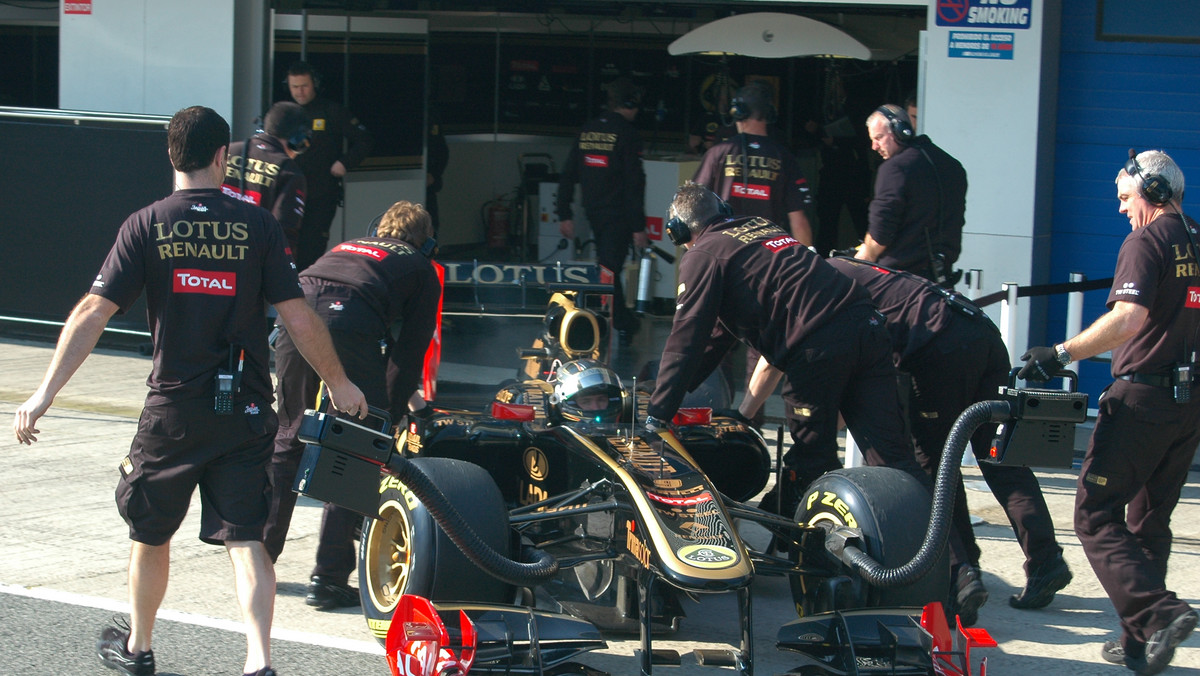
x=184, y=445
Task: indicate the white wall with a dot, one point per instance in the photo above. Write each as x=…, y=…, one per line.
x=148, y=56
x=987, y=113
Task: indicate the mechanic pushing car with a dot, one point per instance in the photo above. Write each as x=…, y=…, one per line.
x=954, y=357
x=747, y=279
x=363, y=289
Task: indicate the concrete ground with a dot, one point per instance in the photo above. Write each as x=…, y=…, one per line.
x=60, y=535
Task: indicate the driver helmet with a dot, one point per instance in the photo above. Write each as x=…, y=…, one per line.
x=586, y=390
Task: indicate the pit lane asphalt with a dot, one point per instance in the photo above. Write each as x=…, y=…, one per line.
x=64, y=549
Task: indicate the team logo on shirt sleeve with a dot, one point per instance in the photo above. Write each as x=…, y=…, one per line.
x=206, y=282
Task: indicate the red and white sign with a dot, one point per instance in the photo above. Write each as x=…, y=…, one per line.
x=654, y=228
x=361, y=250
x=751, y=191
x=596, y=160
x=1193, y=297
x=206, y=282
x=70, y=7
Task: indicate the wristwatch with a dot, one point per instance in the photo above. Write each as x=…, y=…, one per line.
x=1062, y=355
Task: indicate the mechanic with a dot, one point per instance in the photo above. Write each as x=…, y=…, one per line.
x=379, y=297
x=752, y=172
x=745, y=278
x=339, y=143
x=606, y=161
x=263, y=170
x=915, y=220
x=587, y=390
x=207, y=421
x=438, y=158
x=954, y=357
x=1148, y=424
x=779, y=191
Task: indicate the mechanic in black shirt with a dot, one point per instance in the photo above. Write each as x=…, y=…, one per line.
x=1149, y=422
x=954, y=357
x=755, y=174
x=746, y=279
x=263, y=170
x=915, y=220
x=379, y=297
x=339, y=143
x=606, y=161
x=208, y=264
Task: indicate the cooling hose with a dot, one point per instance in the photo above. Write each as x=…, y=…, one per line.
x=943, y=505
x=538, y=566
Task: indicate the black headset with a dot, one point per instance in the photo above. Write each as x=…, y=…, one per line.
x=1156, y=189
x=300, y=139
x=898, y=121
x=740, y=109
x=679, y=232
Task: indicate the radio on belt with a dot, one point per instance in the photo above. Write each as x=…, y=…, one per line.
x=342, y=458
x=1040, y=431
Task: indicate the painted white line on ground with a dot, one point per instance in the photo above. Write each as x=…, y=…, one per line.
x=308, y=638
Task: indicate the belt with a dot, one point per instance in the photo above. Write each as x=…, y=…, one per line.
x=1152, y=379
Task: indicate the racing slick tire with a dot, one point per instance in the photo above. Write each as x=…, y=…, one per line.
x=404, y=551
x=892, y=511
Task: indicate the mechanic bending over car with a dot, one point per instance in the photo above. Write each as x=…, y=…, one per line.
x=748, y=279
x=953, y=357
x=207, y=421
x=379, y=297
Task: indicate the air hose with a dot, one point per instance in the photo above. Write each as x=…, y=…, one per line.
x=538, y=567
x=841, y=540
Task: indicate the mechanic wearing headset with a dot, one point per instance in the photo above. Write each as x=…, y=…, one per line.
x=1149, y=422
x=339, y=143
x=606, y=160
x=757, y=176
x=955, y=357
x=746, y=279
x=915, y=220
x=362, y=289
x=263, y=170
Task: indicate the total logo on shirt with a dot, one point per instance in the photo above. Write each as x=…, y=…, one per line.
x=1193, y=297
x=595, y=160
x=205, y=282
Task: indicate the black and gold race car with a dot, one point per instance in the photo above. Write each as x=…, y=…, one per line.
x=546, y=523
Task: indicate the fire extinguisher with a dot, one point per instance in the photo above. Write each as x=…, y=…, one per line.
x=496, y=215
x=645, y=277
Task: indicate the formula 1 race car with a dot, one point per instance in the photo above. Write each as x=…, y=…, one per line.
x=541, y=523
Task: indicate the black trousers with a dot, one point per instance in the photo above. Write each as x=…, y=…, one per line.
x=1132, y=475
x=321, y=205
x=965, y=364
x=613, y=237
x=845, y=366
x=296, y=390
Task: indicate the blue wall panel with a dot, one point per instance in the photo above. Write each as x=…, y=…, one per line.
x=1112, y=96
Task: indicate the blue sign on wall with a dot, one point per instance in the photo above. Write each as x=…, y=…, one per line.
x=984, y=13
x=979, y=45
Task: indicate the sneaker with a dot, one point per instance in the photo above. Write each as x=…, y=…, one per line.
x=112, y=648
x=1161, y=646
x=1113, y=652
x=325, y=594
x=265, y=671
x=1046, y=580
x=971, y=595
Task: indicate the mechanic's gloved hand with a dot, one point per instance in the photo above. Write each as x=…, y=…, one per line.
x=654, y=425
x=1041, y=363
x=735, y=414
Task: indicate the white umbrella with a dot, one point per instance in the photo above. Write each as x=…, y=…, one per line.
x=769, y=35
